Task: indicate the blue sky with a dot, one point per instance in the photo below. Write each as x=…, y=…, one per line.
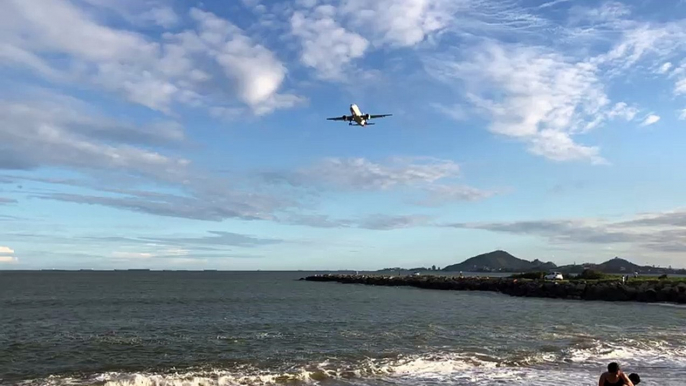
x=192, y=135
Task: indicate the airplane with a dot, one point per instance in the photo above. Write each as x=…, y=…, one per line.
x=357, y=117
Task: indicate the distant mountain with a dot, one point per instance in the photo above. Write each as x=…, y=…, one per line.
x=619, y=265
x=502, y=261
x=499, y=261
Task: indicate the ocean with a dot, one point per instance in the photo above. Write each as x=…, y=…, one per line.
x=268, y=328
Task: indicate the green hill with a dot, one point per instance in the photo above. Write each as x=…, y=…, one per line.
x=499, y=261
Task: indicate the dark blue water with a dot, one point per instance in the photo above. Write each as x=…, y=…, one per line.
x=230, y=328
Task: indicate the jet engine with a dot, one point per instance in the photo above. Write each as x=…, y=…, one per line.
x=366, y=117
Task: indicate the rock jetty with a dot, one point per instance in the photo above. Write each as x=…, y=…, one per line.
x=641, y=291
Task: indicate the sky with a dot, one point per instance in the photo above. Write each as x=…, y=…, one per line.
x=174, y=134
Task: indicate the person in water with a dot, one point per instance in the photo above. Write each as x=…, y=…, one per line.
x=633, y=377
x=615, y=377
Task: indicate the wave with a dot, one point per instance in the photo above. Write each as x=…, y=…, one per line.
x=579, y=364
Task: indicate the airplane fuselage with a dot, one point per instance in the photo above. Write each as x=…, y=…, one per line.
x=357, y=115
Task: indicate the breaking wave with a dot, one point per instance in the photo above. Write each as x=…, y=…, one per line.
x=660, y=361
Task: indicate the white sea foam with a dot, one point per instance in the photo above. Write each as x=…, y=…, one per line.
x=660, y=362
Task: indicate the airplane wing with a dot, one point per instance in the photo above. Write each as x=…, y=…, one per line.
x=341, y=118
x=379, y=116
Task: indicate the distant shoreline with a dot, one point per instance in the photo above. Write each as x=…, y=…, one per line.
x=301, y=271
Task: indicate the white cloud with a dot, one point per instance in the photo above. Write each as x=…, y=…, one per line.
x=215, y=64
x=558, y=146
x=255, y=71
x=650, y=119
x=622, y=110
x=326, y=46
x=665, y=68
x=682, y=115
x=533, y=94
x=6, y=255
x=399, y=23
x=680, y=86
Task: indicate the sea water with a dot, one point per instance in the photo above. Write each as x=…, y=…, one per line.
x=267, y=328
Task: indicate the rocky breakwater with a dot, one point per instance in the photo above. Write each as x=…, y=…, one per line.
x=641, y=291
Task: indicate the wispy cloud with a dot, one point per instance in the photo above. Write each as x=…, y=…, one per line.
x=389, y=222
x=552, y=3
x=141, y=12
x=377, y=222
x=70, y=136
x=425, y=174
x=205, y=205
x=315, y=220
x=438, y=195
x=170, y=257
x=363, y=174
x=545, y=98
x=399, y=23
x=547, y=95
x=663, y=232
x=216, y=238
